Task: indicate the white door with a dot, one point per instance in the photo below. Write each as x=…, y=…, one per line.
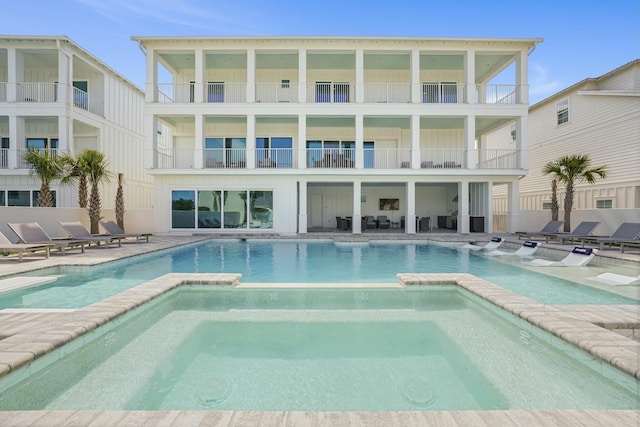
x=315, y=213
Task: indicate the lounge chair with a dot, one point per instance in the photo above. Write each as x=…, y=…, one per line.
x=6, y=247
x=527, y=249
x=492, y=245
x=383, y=221
x=583, y=230
x=115, y=231
x=32, y=233
x=77, y=231
x=615, y=279
x=627, y=233
x=369, y=222
x=578, y=257
x=548, y=230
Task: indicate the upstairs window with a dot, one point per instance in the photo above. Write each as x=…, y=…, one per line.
x=563, y=111
x=604, y=204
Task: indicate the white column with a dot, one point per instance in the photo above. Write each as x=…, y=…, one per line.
x=522, y=79
x=16, y=140
x=416, y=85
x=302, y=141
x=302, y=208
x=356, y=221
x=471, y=154
x=513, y=206
x=302, y=75
x=150, y=142
x=151, y=94
x=415, y=142
x=470, y=76
x=522, y=143
x=410, y=217
x=359, y=76
x=64, y=71
x=251, y=76
x=463, y=207
x=359, y=124
x=198, y=143
x=14, y=64
x=201, y=84
x=251, y=142
x=64, y=133
x=488, y=220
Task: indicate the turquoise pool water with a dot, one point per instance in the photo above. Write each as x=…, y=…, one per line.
x=434, y=348
x=299, y=262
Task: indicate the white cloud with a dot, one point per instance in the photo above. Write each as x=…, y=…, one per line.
x=540, y=84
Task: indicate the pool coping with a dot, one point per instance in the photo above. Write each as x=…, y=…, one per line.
x=26, y=337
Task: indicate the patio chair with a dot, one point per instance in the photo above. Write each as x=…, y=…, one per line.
x=547, y=231
x=115, y=231
x=628, y=233
x=383, y=221
x=490, y=246
x=369, y=222
x=578, y=257
x=77, y=231
x=6, y=247
x=583, y=230
x=615, y=279
x=527, y=249
x=32, y=233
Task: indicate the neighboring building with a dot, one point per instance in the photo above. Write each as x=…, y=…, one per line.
x=56, y=95
x=290, y=134
x=599, y=117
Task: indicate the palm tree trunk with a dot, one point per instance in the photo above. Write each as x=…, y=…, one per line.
x=568, y=205
x=554, y=200
x=120, y=202
x=95, y=206
x=45, y=198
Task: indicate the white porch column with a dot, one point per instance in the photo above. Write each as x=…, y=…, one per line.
x=471, y=154
x=16, y=140
x=201, y=84
x=302, y=207
x=302, y=76
x=488, y=221
x=251, y=75
x=410, y=217
x=463, y=207
x=522, y=79
x=522, y=143
x=151, y=94
x=150, y=142
x=359, y=124
x=416, y=86
x=65, y=132
x=251, y=142
x=470, y=77
x=14, y=66
x=302, y=141
x=513, y=206
x=64, y=74
x=359, y=76
x=415, y=142
x=198, y=143
x=357, y=211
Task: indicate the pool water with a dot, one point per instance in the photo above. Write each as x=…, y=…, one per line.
x=299, y=262
x=419, y=348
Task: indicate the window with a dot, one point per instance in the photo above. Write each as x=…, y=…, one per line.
x=274, y=152
x=215, y=92
x=18, y=198
x=604, y=204
x=546, y=206
x=3, y=200
x=285, y=84
x=4, y=154
x=563, y=111
x=183, y=207
x=209, y=209
x=369, y=155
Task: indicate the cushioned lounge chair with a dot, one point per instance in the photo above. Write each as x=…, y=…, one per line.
x=527, y=249
x=115, y=231
x=584, y=229
x=32, y=233
x=6, y=247
x=493, y=244
x=369, y=222
x=578, y=257
x=77, y=231
x=627, y=233
x=547, y=231
x=383, y=222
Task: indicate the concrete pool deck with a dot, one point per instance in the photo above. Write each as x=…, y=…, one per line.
x=26, y=335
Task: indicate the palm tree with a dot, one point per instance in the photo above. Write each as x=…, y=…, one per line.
x=48, y=167
x=97, y=171
x=78, y=172
x=569, y=170
x=554, y=200
x=120, y=202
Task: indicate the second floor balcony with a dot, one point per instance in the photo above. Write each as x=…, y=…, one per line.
x=46, y=92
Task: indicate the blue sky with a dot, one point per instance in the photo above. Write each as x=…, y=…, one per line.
x=581, y=38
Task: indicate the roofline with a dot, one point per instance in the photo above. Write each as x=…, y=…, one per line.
x=585, y=81
x=75, y=45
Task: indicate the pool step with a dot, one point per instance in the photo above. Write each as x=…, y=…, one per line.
x=18, y=282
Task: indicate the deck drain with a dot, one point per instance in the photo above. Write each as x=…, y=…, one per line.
x=214, y=392
x=417, y=392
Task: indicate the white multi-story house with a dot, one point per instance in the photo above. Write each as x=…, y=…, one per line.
x=596, y=116
x=56, y=95
x=292, y=134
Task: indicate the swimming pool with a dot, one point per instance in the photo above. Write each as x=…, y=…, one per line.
x=418, y=348
x=298, y=262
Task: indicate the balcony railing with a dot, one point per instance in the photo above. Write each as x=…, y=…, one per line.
x=387, y=92
x=277, y=92
x=3, y=91
x=20, y=153
x=4, y=158
x=334, y=158
x=497, y=94
x=443, y=93
x=88, y=102
x=327, y=92
x=36, y=92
